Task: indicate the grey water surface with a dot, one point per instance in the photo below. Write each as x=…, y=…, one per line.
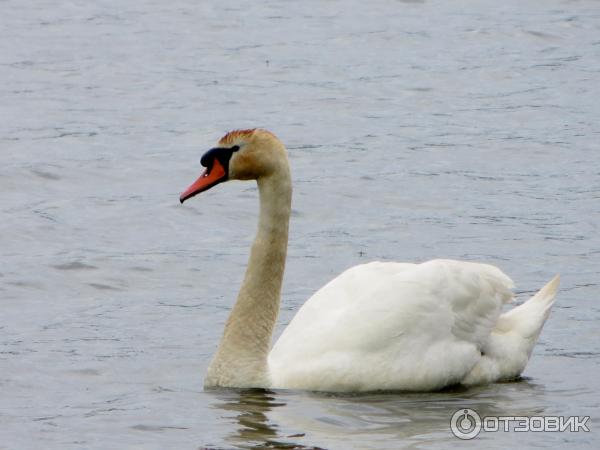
x=415, y=129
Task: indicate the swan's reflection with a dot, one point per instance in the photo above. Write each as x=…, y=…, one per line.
x=281, y=419
x=254, y=430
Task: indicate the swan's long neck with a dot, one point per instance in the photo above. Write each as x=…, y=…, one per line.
x=241, y=359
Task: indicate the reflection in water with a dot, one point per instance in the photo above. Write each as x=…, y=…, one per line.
x=413, y=418
x=253, y=427
x=282, y=419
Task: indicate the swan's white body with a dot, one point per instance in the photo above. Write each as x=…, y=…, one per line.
x=377, y=326
x=408, y=327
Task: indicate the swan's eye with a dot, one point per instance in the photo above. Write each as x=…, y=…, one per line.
x=235, y=148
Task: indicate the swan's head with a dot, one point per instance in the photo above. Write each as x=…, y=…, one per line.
x=239, y=155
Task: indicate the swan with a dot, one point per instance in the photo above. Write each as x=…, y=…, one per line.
x=377, y=326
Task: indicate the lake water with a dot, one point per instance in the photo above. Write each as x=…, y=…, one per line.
x=416, y=129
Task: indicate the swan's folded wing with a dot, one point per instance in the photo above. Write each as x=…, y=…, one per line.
x=392, y=323
x=476, y=293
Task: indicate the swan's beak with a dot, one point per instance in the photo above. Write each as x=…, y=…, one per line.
x=210, y=177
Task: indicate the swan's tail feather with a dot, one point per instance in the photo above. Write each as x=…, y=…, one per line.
x=510, y=344
x=528, y=319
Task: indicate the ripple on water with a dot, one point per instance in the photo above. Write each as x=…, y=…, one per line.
x=74, y=265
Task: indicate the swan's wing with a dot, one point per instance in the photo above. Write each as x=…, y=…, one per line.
x=391, y=325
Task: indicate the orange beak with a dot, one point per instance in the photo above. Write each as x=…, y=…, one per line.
x=209, y=178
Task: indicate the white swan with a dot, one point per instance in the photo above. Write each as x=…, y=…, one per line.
x=376, y=326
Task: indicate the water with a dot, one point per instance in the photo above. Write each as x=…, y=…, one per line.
x=415, y=130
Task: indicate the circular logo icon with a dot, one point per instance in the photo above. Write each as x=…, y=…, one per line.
x=465, y=423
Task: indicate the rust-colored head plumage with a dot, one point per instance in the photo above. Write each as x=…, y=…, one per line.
x=234, y=135
x=231, y=137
